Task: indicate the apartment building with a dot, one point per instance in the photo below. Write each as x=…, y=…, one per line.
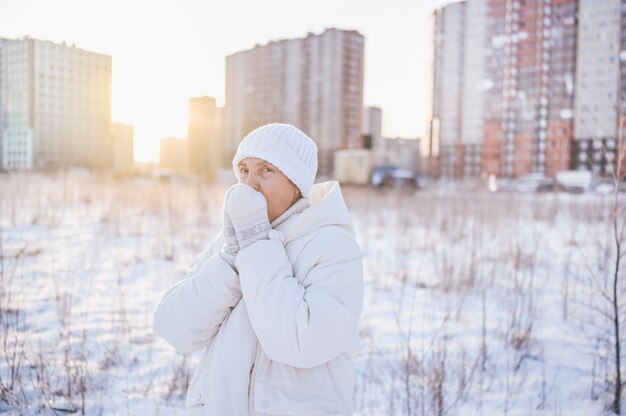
x=55, y=106
x=314, y=83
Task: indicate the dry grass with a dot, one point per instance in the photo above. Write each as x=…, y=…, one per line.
x=471, y=297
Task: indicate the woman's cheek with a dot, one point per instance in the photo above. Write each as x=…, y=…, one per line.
x=267, y=195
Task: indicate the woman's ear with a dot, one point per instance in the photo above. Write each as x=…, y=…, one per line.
x=296, y=194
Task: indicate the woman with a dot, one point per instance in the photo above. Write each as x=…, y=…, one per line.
x=274, y=301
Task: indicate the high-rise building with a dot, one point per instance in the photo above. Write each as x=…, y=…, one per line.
x=504, y=94
x=314, y=83
x=204, y=147
x=173, y=154
x=55, y=106
x=559, y=42
x=456, y=127
x=621, y=107
x=531, y=65
x=600, y=83
x=122, y=137
x=373, y=128
x=448, y=84
x=473, y=86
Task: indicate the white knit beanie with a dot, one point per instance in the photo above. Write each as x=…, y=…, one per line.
x=284, y=146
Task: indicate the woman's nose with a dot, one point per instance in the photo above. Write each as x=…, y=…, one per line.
x=253, y=181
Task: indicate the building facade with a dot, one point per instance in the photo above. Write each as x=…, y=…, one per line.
x=456, y=126
x=531, y=65
x=204, y=147
x=600, y=87
x=173, y=154
x=527, y=86
x=314, y=83
x=55, y=106
x=373, y=128
x=122, y=144
x=473, y=86
x=447, y=84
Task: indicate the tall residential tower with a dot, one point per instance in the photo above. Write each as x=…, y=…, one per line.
x=600, y=83
x=459, y=82
x=527, y=86
x=55, y=106
x=202, y=136
x=314, y=83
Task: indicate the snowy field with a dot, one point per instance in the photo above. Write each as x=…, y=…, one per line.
x=476, y=303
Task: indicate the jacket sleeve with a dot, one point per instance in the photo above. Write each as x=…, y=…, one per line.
x=304, y=324
x=191, y=312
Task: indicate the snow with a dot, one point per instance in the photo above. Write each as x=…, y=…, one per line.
x=476, y=303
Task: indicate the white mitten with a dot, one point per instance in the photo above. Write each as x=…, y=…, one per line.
x=247, y=209
x=231, y=246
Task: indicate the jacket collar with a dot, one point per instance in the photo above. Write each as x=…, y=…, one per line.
x=327, y=208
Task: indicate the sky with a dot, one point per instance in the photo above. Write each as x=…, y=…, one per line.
x=164, y=52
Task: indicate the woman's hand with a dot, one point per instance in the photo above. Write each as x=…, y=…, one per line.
x=231, y=246
x=247, y=210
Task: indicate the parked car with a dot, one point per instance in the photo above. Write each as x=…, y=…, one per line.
x=575, y=181
x=535, y=182
x=391, y=175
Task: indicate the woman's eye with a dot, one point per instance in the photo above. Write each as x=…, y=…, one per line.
x=243, y=171
x=268, y=170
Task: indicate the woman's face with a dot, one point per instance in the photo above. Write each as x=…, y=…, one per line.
x=277, y=189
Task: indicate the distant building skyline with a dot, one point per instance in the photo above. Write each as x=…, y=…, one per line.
x=174, y=47
x=536, y=91
x=600, y=82
x=373, y=126
x=122, y=140
x=203, y=136
x=55, y=106
x=450, y=27
x=173, y=154
x=314, y=83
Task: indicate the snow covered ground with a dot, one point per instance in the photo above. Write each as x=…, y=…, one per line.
x=476, y=303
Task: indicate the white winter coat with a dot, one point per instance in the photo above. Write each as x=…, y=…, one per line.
x=300, y=292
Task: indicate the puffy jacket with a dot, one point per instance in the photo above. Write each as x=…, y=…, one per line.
x=295, y=303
